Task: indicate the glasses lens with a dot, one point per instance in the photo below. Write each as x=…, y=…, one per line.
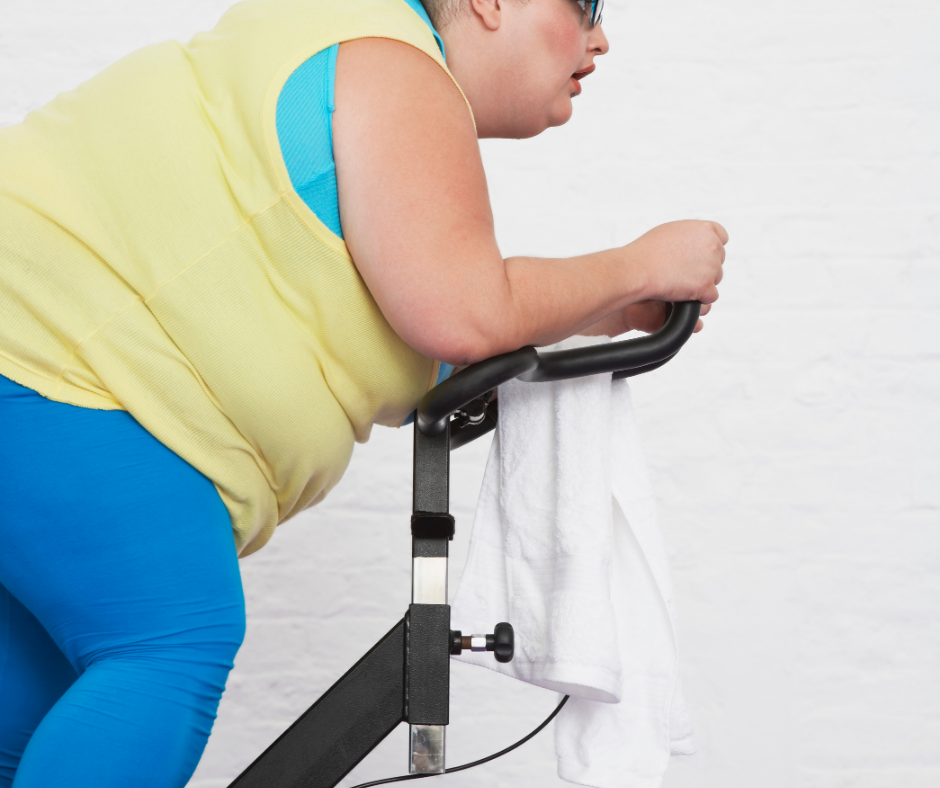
x=593, y=9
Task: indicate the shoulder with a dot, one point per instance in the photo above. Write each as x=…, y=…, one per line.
x=389, y=76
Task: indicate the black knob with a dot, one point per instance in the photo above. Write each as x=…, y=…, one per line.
x=503, y=642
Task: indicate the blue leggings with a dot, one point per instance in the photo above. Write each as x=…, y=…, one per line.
x=121, y=604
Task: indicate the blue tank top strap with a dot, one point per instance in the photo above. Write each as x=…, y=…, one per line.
x=305, y=133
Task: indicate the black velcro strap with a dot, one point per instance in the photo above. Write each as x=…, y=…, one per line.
x=428, y=525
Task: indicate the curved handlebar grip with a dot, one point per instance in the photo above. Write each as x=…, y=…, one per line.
x=623, y=356
x=444, y=399
x=626, y=358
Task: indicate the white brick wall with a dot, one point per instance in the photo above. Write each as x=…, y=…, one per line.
x=793, y=444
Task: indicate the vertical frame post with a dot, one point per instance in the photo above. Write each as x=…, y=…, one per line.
x=427, y=630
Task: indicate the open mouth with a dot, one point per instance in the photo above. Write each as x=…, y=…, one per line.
x=577, y=77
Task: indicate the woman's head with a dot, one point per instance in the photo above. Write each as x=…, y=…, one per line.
x=518, y=61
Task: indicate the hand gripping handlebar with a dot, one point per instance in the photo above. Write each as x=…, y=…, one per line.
x=625, y=358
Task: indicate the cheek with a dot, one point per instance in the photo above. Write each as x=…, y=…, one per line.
x=548, y=49
x=550, y=44
x=565, y=37
x=562, y=45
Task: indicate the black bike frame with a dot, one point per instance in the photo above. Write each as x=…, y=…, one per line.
x=405, y=677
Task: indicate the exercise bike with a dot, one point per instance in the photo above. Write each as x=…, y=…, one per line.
x=405, y=677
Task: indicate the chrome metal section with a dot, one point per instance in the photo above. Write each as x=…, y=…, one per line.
x=478, y=642
x=429, y=581
x=426, y=743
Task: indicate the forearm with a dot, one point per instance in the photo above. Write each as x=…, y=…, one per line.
x=480, y=305
x=549, y=299
x=537, y=301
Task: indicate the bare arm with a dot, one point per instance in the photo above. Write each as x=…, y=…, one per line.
x=417, y=220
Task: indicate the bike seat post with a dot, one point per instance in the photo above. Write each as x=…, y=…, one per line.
x=427, y=627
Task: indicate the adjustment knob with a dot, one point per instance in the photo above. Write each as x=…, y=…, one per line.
x=474, y=412
x=501, y=642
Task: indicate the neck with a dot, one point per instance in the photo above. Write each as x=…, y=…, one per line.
x=471, y=57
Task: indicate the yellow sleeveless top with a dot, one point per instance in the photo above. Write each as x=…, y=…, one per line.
x=154, y=258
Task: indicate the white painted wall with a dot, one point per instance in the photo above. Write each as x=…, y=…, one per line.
x=793, y=445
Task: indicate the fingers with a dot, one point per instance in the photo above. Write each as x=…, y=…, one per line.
x=722, y=234
x=647, y=316
x=706, y=308
x=650, y=316
x=721, y=231
x=687, y=257
x=710, y=296
x=659, y=315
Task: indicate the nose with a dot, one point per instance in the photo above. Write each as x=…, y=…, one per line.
x=598, y=43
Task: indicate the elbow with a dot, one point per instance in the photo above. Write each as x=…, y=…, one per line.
x=463, y=349
x=460, y=342
x=459, y=332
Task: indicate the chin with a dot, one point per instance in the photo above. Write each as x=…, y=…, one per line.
x=530, y=127
x=523, y=128
x=561, y=115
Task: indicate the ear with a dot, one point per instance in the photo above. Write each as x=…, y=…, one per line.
x=489, y=12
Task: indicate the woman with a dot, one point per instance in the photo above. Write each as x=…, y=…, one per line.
x=213, y=284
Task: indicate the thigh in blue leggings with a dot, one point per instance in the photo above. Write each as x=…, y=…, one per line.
x=121, y=603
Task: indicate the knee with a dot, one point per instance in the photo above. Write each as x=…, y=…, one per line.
x=196, y=637
x=187, y=662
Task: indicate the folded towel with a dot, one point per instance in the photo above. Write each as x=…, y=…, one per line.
x=566, y=547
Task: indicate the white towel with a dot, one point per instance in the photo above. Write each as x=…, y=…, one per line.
x=566, y=547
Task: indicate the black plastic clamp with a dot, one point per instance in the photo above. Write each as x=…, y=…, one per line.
x=431, y=525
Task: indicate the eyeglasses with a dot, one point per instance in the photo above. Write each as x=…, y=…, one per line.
x=593, y=9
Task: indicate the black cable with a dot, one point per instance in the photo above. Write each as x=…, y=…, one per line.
x=519, y=743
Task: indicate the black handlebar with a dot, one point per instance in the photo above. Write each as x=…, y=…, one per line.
x=625, y=358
